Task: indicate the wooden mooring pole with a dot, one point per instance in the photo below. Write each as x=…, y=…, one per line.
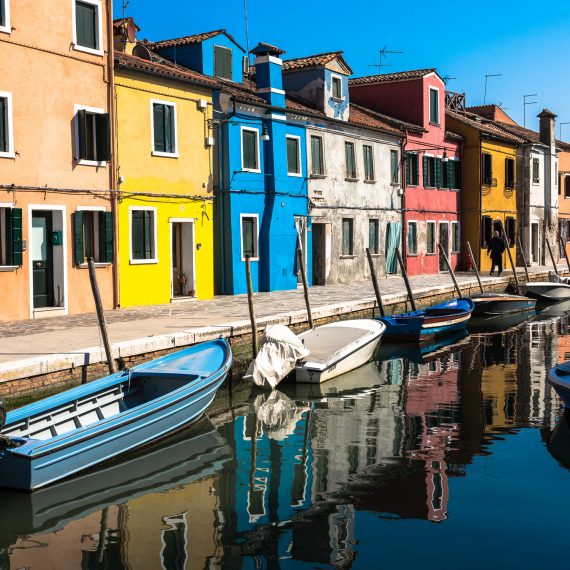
x=251, y=307
x=101, y=315
x=305, y=287
x=442, y=251
x=375, y=283
x=510, y=256
x=406, y=280
x=551, y=255
x=563, y=247
x=521, y=249
x=475, y=268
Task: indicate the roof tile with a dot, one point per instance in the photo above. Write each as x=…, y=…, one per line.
x=385, y=77
x=189, y=40
x=313, y=61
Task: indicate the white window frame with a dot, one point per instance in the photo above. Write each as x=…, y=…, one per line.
x=10, y=153
x=100, y=15
x=175, y=121
x=298, y=139
x=7, y=28
x=458, y=224
x=154, y=260
x=434, y=252
x=256, y=131
x=93, y=209
x=339, y=77
x=437, y=121
x=415, y=222
x=94, y=110
x=398, y=182
x=256, y=227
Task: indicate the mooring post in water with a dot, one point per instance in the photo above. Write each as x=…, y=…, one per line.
x=406, y=280
x=551, y=255
x=521, y=250
x=563, y=247
x=375, y=283
x=441, y=250
x=305, y=286
x=471, y=256
x=251, y=308
x=510, y=258
x=100, y=315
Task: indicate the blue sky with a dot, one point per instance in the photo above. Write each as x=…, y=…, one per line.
x=526, y=41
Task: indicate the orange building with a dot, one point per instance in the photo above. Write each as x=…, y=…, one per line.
x=564, y=192
x=56, y=171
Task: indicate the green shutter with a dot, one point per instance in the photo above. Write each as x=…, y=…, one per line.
x=316, y=156
x=458, y=174
x=14, y=233
x=106, y=237
x=3, y=123
x=2, y=14
x=82, y=133
x=437, y=168
x=102, y=137
x=79, y=251
x=148, y=231
x=222, y=62
x=292, y=156
x=137, y=234
x=169, y=143
x=86, y=25
x=408, y=169
x=158, y=119
x=450, y=173
x=426, y=166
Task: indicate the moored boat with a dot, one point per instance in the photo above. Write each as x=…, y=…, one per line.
x=64, y=434
x=559, y=377
x=554, y=290
x=337, y=348
x=428, y=323
x=501, y=304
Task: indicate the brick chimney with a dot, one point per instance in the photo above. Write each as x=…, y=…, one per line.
x=125, y=35
x=268, y=73
x=547, y=128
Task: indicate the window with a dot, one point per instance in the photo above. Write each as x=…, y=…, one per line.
x=434, y=105
x=412, y=169
x=10, y=236
x=143, y=235
x=250, y=149
x=174, y=552
x=486, y=230
x=5, y=16
x=93, y=139
x=347, y=236
x=444, y=173
x=394, y=167
x=317, y=158
x=455, y=238
x=535, y=171
x=412, y=238
x=87, y=30
x=486, y=169
x=509, y=173
x=293, y=156
x=6, y=127
x=567, y=186
x=249, y=236
x=430, y=237
x=223, y=62
x=93, y=236
x=373, y=236
x=432, y=172
x=164, y=128
x=368, y=162
x=510, y=230
x=454, y=174
x=336, y=87
x=350, y=160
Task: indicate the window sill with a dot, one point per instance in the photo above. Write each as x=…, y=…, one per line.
x=97, y=264
x=370, y=181
x=348, y=179
x=84, y=162
x=88, y=50
x=412, y=185
x=413, y=254
x=143, y=261
x=10, y=154
x=318, y=176
x=9, y=267
x=5, y=30
x=251, y=259
x=431, y=254
x=165, y=154
x=347, y=256
x=338, y=99
x=252, y=170
x=430, y=188
x=434, y=124
x=294, y=174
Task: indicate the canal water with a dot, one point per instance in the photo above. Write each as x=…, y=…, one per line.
x=451, y=456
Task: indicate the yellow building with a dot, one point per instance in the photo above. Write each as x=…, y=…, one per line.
x=164, y=170
x=489, y=184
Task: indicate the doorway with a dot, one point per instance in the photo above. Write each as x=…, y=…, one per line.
x=319, y=254
x=534, y=242
x=444, y=242
x=301, y=228
x=42, y=259
x=183, y=281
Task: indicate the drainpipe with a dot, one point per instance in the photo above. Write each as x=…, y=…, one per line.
x=113, y=161
x=403, y=200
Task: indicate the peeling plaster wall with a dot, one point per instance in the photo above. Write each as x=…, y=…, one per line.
x=333, y=198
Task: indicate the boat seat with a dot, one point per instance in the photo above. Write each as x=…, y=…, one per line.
x=324, y=342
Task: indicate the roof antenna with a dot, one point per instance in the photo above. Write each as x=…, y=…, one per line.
x=383, y=54
x=447, y=78
x=246, y=34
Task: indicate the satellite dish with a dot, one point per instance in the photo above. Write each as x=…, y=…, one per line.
x=131, y=31
x=140, y=51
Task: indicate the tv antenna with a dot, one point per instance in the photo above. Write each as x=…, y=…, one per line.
x=125, y=6
x=383, y=53
x=447, y=78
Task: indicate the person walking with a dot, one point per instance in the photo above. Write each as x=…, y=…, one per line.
x=495, y=250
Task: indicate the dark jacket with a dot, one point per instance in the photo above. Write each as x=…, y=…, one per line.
x=496, y=247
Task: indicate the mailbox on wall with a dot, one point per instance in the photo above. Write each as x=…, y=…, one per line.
x=57, y=237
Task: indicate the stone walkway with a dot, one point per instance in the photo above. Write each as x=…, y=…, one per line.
x=135, y=330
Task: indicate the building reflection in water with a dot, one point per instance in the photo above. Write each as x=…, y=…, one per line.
x=284, y=476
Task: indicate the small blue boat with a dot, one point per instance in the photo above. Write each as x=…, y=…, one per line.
x=64, y=434
x=428, y=323
x=559, y=377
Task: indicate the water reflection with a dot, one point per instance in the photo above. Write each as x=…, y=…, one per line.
x=314, y=474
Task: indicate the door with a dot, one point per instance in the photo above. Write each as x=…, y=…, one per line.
x=392, y=242
x=301, y=228
x=534, y=242
x=177, y=279
x=42, y=259
x=319, y=254
x=444, y=242
x=183, y=274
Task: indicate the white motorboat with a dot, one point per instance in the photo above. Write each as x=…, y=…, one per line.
x=337, y=348
x=552, y=291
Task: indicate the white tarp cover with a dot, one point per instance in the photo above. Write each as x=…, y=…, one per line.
x=279, y=352
x=278, y=414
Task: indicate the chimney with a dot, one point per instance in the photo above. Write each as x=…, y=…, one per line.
x=125, y=35
x=547, y=128
x=268, y=74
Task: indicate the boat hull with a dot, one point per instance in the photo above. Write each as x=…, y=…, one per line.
x=559, y=377
x=548, y=292
x=502, y=304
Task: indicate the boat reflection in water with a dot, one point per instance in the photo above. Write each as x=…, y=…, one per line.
x=328, y=475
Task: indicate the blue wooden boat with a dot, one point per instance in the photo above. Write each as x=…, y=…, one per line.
x=64, y=434
x=559, y=377
x=428, y=323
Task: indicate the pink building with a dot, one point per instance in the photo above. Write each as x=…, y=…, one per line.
x=432, y=163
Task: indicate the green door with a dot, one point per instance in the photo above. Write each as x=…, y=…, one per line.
x=42, y=259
